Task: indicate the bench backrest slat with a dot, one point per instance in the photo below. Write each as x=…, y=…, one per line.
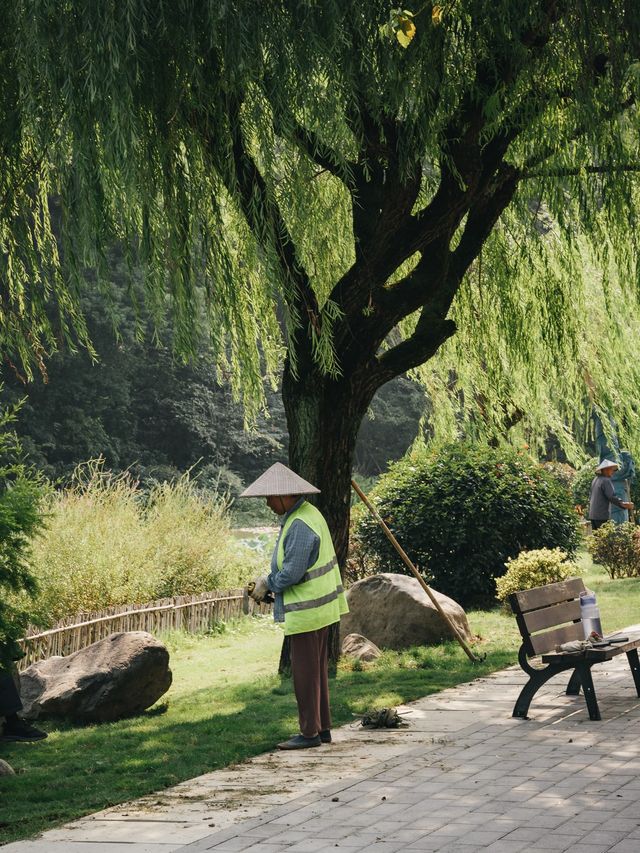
x=544, y=607
x=550, y=617
x=543, y=596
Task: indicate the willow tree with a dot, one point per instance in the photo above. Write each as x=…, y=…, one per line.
x=322, y=176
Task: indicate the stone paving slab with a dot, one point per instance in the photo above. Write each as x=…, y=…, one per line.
x=463, y=776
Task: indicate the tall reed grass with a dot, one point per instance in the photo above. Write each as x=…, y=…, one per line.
x=108, y=542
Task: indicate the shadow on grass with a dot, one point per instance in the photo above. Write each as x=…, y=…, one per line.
x=79, y=770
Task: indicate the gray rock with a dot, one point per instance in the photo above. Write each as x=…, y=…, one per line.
x=6, y=769
x=113, y=678
x=357, y=647
x=394, y=612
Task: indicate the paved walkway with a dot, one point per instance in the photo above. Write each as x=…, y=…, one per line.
x=463, y=776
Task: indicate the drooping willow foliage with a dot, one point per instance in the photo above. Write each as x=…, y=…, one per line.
x=291, y=156
x=514, y=373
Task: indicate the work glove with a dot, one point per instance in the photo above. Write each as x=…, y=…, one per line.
x=258, y=589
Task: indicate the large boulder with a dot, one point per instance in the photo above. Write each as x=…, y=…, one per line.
x=113, y=678
x=393, y=611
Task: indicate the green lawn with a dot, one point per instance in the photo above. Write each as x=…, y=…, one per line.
x=227, y=704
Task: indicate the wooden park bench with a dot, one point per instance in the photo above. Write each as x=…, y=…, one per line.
x=549, y=616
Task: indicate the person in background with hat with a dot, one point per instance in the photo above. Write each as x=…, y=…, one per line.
x=308, y=595
x=602, y=495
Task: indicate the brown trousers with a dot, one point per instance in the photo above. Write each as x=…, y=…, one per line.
x=310, y=670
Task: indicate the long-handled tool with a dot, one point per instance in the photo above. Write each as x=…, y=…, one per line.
x=405, y=559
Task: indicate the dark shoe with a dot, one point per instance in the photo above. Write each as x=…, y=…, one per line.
x=18, y=730
x=300, y=742
x=325, y=736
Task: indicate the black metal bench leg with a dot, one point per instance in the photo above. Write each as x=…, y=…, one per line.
x=536, y=680
x=634, y=664
x=574, y=685
x=583, y=670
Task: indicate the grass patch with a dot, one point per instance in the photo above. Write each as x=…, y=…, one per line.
x=227, y=704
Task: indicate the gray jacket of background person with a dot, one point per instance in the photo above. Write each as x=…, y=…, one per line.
x=601, y=497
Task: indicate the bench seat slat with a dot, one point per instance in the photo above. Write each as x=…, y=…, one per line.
x=597, y=655
x=545, y=596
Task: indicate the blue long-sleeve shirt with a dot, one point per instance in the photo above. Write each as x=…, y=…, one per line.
x=301, y=548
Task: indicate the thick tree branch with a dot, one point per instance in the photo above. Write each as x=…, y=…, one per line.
x=436, y=280
x=385, y=230
x=430, y=333
x=482, y=219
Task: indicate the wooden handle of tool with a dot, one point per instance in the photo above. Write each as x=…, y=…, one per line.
x=405, y=559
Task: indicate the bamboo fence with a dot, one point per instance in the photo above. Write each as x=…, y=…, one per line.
x=191, y=613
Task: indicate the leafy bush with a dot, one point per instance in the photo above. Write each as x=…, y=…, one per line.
x=107, y=542
x=460, y=512
x=564, y=473
x=617, y=548
x=20, y=519
x=534, y=568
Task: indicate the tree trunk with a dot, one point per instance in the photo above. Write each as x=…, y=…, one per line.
x=323, y=418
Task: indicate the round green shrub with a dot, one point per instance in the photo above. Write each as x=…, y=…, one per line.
x=534, y=568
x=460, y=512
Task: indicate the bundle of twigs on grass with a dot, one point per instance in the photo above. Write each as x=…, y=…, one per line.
x=382, y=718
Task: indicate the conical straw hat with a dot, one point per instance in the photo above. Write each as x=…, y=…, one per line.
x=278, y=480
x=606, y=463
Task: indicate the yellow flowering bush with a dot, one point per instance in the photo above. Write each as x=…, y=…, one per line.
x=534, y=568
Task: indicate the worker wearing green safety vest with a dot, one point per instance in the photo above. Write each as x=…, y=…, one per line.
x=308, y=595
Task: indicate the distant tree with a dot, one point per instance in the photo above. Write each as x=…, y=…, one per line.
x=343, y=163
x=390, y=426
x=140, y=408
